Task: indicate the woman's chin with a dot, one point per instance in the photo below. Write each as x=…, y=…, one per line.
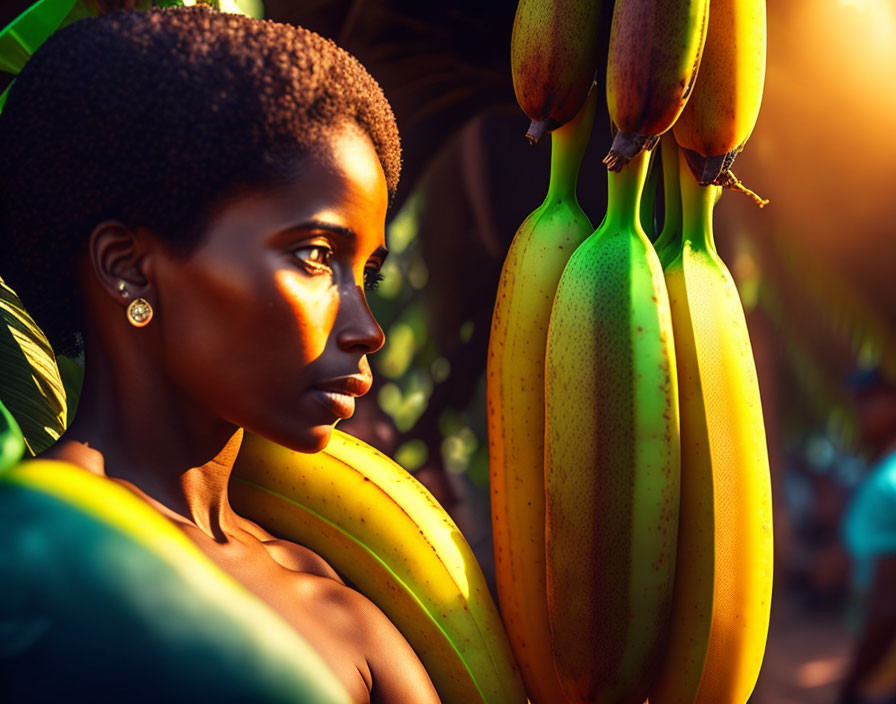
x=321, y=435
x=303, y=437
x=313, y=439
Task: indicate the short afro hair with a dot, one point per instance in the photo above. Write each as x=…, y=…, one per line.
x=154, y=119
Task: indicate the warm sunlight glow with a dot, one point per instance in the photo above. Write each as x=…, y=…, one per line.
x=879, y=15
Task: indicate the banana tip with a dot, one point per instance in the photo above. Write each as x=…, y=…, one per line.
x=536, y=129
x=626, y=146
x=614, y=161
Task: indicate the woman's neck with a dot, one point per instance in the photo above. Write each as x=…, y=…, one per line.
x=136, y=427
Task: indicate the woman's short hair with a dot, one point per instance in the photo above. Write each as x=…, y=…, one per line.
x=154, y=119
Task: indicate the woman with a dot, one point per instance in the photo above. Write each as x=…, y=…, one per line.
x=199, y=199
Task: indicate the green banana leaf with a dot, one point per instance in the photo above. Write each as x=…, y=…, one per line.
x=72, y=375
x=21, y=37
x=31, y=386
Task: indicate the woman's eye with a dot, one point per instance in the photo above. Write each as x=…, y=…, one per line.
x=315, y=257
x=372, y=279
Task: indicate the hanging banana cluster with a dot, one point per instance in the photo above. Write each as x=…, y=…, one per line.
x=631, y=501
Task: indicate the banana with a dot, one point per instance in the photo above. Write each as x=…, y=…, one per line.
x=91, y=573
x=611, y=457
x=721, y=113
x=723, y=577
x=655, y=50
x=515, y=392
x=553, y=58
x=669, y=241
x=385, y=532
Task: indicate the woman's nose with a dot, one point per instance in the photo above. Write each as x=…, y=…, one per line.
x=358, y=329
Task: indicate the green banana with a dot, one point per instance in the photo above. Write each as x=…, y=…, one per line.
x=611, y=457
x=92, y=574
x=655, y=50
x=385, y=533
x=515, y=393
x=553, y=59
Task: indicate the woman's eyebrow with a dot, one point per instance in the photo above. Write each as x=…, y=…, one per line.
x=345, y=232
x=340, y=230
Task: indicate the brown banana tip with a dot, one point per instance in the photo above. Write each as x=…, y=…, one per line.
x=628, y=145
x=537, y=128
x=713, y=168
x=615, y=161
x=727, y=179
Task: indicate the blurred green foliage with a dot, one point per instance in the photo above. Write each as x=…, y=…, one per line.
x=410, y=363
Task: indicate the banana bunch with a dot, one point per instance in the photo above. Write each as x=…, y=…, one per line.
x=655, y=50
x=553, y=57
x=515, y=392
x=723, y=579
x=611, y=457
x=384, y=532
x=648, y=497
x=720, y=115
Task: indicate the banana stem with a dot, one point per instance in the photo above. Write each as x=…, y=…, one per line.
x=648, y=199
x=671, y=232
x=624, y=189
x=568, y=144
x=697, y=204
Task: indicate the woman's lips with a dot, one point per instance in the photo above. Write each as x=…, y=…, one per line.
x=339, y=404
x=338, y=395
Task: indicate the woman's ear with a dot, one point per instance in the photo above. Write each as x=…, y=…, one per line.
x=118, y=254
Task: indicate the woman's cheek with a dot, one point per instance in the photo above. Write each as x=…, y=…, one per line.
x=314, y=303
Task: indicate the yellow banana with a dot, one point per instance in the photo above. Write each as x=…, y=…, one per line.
x=723, y=582
x=553, y=58
x=384, y=531
x=721, y=113
x=515, y=374
x=655, y=50
x=611, y=457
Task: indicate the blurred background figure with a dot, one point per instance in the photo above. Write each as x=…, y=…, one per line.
x=869, y=533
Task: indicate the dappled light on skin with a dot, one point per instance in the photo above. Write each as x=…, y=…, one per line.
x=365, y=174
x=315, y=310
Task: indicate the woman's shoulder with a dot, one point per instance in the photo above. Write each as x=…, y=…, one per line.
x=290, y=555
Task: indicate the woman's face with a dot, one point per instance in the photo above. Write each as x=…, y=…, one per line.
x=266, y=324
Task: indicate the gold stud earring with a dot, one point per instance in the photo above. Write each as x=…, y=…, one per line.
x=122, y=289
x=139, y=312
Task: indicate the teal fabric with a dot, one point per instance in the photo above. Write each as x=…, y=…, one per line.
x=869, y=526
